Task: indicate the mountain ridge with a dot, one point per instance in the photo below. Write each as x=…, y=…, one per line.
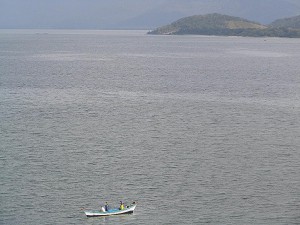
x=290, y=22
x=224, y=25
x=263, y=11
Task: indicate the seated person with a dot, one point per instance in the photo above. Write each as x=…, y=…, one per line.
x=121, y=206
x=106, y=207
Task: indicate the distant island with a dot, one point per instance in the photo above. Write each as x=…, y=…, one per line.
x=224, y=25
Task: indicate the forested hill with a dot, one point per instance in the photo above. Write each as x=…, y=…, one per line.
x=292, y=22
x=223, y=25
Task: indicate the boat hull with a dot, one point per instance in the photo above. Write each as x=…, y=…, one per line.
x=112, y=212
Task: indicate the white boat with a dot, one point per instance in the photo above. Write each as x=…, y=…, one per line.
x=111, y=212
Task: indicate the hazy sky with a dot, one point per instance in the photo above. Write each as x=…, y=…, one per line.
x=98, y=14
x=61, y=13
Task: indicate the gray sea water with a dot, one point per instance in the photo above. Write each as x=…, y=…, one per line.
x=198, y=130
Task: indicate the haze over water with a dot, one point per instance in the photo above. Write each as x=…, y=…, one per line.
x=196, y=129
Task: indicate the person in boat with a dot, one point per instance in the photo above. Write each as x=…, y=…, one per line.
x=106, y=207
x=121, y=205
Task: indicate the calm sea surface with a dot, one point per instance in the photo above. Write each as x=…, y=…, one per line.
x=198, y=130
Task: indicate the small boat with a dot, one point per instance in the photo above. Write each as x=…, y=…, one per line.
x=111, y=212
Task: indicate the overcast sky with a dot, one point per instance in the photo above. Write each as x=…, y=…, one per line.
x=99, y=14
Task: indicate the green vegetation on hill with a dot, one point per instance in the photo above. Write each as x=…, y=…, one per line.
x=292, y=22
x=223, y=25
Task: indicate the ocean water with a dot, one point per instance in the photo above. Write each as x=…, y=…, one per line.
x=197, y=129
